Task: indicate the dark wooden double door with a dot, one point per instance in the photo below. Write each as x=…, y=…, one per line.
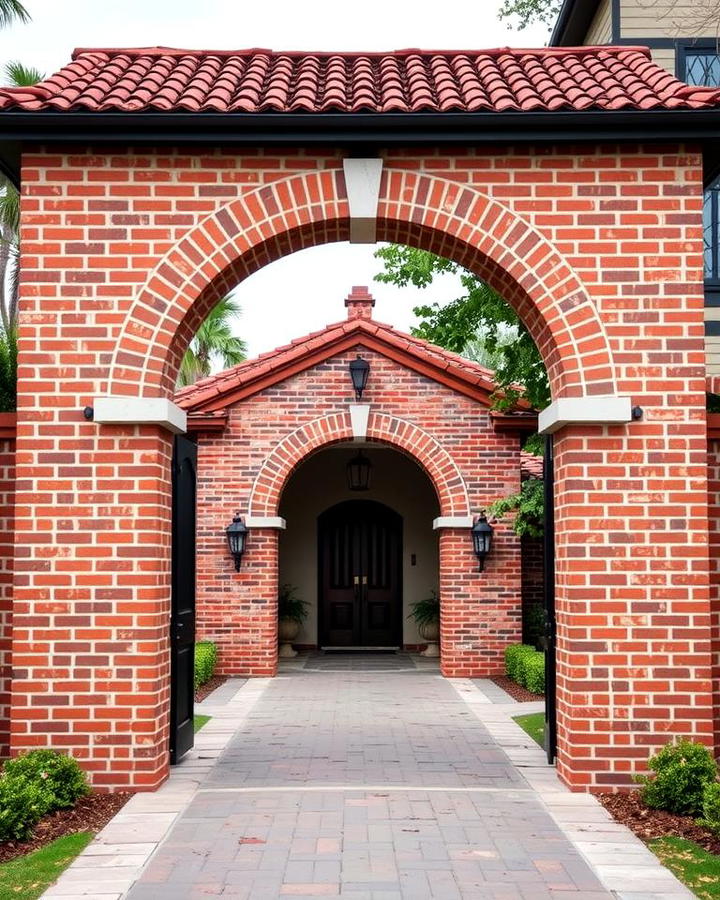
x=360, y=575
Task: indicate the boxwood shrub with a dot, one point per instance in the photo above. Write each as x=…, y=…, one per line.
x=526, y=666
x=682, y=773
x=35, y=784
x=205, y=662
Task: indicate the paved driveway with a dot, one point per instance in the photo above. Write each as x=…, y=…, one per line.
x=366, y=780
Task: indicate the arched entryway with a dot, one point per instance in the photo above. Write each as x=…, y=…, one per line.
x=359, y=558
x=94, y=534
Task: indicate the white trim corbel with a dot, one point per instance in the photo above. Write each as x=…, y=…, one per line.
x=453, y=522
x=140, y=411
x=608, y=410
x=362, y=183
x=265, y=522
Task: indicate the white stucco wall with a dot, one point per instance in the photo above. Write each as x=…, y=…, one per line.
x=321, y=483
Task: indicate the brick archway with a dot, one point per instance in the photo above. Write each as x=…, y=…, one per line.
x=433, y=458
x=421, y=210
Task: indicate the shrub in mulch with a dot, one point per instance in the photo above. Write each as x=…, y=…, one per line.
x=516, y=691
x=210, y=685
x=90, y=813
x=629, y=809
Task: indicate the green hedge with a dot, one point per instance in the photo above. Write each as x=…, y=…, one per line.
x=35, y=784
x=526, y=666
x=205, y=662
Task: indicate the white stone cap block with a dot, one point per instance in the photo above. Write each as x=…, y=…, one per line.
x=608, y=410
x=265, y=522
x=140, y=411
x=453, y=522
x=359, y=415
x=362, y=182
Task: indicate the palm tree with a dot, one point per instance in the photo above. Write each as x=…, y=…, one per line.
x=214, y=342
x=10, y=10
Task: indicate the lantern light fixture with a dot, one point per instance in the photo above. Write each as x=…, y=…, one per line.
x=482, y=533
x=359, y=371
x=358, y=472
x=236, y=536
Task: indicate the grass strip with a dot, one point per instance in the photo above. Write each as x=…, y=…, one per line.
x=689, y=862
x=199, y=721
x=534, y=725
x=27, y=877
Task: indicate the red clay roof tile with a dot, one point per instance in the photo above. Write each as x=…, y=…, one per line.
x=405, y=81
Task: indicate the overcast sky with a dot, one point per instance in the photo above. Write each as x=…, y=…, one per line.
x=305, y=291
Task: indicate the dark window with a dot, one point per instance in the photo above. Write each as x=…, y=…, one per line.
x=699, y=63
x=711, y=231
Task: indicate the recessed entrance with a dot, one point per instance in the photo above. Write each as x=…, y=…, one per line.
x=359, y=559
x=360, y=575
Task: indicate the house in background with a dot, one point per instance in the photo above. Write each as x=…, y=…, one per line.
x=684, y=38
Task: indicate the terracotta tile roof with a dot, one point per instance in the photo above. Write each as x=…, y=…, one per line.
x=253, y=81
x=531, y=466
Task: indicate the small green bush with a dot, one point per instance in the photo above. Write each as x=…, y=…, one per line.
x=534, y=673
x=205, y=662
x=711, y=807
x=58, y=776
x=682, y=772
x=514, y=655
x=23, y=803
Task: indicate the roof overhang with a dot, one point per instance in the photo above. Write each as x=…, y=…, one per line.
x=573, y=22
x=358, y=132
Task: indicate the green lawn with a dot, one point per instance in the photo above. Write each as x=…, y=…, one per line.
x=28, y=876
x=199, y=721
x=534, y=725
x=695, y=867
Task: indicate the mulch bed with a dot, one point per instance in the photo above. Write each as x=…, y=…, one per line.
x=212, y=684
x=655, y=823
x=91, y=813
x=516, y=691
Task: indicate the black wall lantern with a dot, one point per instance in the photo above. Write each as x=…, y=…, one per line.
x=358, y=473
x=482, y=533
x=236, y=536
x=359, y=371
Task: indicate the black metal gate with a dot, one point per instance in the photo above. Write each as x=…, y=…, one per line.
x=182, y=619
x=549, y=596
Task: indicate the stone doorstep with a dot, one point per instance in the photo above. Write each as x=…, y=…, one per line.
x=634, y=873
x=118, y=854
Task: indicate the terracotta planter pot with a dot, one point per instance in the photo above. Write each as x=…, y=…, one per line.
x=288, y=630
x=430, y=632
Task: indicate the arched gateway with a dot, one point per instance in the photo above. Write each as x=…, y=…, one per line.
x=153, y=180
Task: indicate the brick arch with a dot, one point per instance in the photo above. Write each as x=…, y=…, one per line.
x=432, y=457
x=307, y=209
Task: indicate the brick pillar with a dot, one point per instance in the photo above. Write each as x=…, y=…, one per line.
x=480, y=612
x=244, y=623
x=632, y=594
x=7, y=515
x=92, y=594
x=714, y=538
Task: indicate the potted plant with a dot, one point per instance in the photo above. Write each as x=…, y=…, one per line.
x=426, y=614
x=292, y=612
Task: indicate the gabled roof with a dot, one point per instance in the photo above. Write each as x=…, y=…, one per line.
x=573, y=21
x=161, y=79
x=207, y=401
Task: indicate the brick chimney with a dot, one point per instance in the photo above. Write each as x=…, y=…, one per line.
x=359, y=303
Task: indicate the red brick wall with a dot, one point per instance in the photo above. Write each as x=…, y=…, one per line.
x=480, y=612
x=714, y=516
x=598, y=248
x=7, y=515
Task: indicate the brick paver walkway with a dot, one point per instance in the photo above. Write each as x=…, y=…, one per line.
x=365, y=783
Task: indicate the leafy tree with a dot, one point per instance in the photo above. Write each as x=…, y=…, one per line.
x=529, y=12
x=214, y=342
x=479, y=324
